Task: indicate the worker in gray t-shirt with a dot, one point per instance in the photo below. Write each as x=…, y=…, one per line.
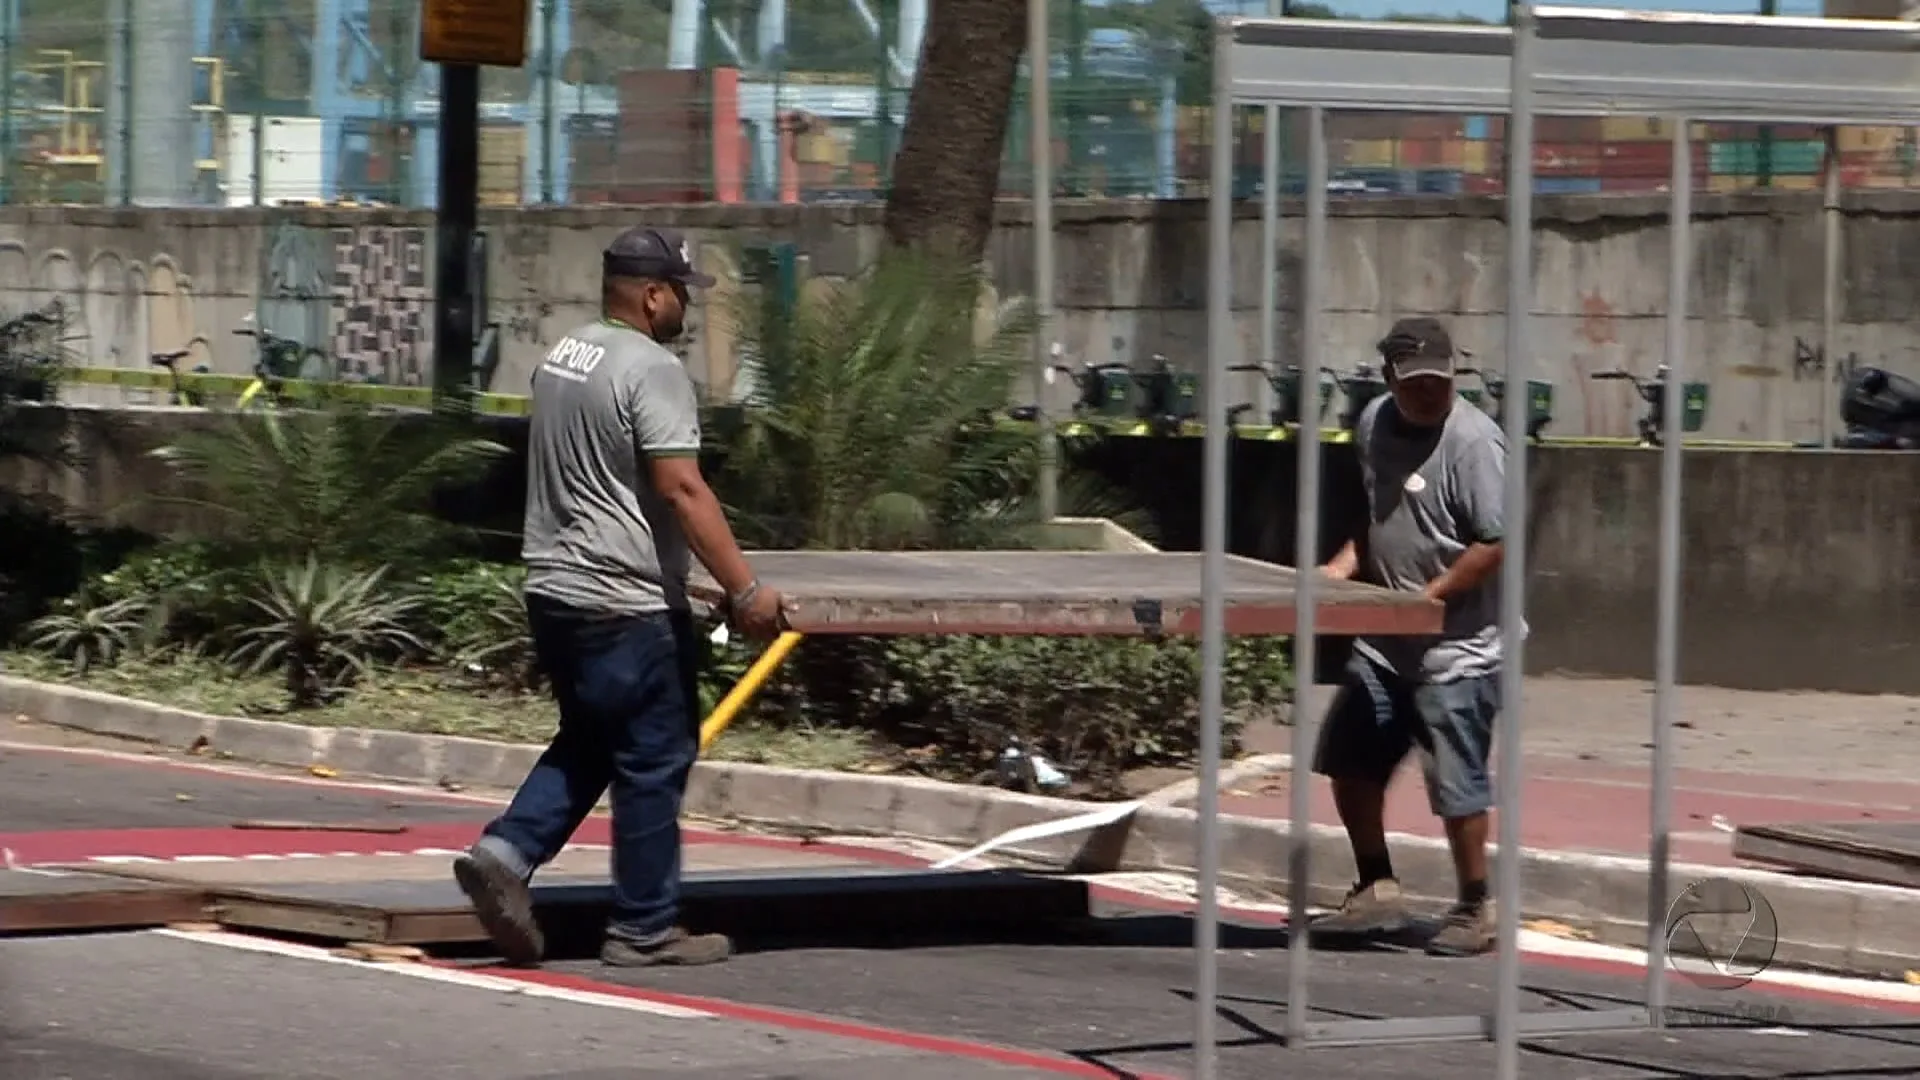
x=615, y=504
x=1434, y=468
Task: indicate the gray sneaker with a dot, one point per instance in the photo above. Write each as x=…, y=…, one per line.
x=1369, y=911
x=503, y=904
x=678, y=949
x=1469, y=930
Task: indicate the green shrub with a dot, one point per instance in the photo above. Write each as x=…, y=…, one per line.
x=338, y=482
x=84, y=632
x=475, y=615
x=195, y=590
x=324, y=627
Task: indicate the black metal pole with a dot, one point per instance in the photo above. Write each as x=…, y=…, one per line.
x=454, y=305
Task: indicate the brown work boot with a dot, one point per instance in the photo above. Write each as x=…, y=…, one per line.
x=503, y=904
x=1469, y=930
x=677, y=949
x=1371, y=910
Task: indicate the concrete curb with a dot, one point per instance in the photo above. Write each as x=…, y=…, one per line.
x=1852, y=928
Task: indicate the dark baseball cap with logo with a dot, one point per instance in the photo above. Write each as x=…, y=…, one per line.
x=1418, y=346
x=653, y=253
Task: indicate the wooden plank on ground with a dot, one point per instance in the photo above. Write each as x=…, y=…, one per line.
x=1887, y=852
x=38, y=901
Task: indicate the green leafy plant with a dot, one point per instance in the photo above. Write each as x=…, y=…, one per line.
x=1097, y=707
x=196, y=593
x=337, y=482
x=83, y=632
x=857, y=426
x=496, y=643
x=324, y=626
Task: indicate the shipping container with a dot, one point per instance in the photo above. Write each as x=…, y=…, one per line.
x=1801, y=157
x=1477, y=127
x=1365, y=125
x=1870, y=140
x=1633, y=128
x=1417, y=153
x=1884, y=180
x=1625, y=184
x=1727, y=182
x=1566, y=129
x=1440, y=182
x=1854, y=176
x=1796, y=183
x=1478, y=157
x=1565, y=159
x=1433, y=128
x=503, y=150
x=1481, y=185
x=1364, y=153
x=1566, y=185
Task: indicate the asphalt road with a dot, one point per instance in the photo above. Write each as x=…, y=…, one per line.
x=152, y=1007
x=147, y=1007
x=48, y=790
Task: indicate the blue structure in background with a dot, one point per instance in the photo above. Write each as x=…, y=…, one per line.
x=351, y=91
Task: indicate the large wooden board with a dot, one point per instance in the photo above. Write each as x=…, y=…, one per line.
x=33, y=901
x=1048, y=592
x=813, y=902
x=1882, y=851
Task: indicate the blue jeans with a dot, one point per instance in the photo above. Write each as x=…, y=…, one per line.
x=630, y=720
x=1377, y=718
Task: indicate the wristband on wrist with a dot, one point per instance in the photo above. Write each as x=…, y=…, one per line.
x=744, y=598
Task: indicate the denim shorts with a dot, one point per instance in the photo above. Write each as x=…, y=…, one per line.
x=1377, y=718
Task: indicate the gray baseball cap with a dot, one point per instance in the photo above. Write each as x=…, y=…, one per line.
x=1418, y=346
x=653, y=253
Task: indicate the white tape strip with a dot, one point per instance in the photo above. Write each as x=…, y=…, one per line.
x=1044, y=830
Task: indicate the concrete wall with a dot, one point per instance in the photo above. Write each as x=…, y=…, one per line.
x=357, y=284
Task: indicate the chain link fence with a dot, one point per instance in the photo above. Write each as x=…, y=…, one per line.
x=251, y=102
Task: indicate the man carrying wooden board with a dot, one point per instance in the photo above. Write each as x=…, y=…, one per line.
x=615, y=505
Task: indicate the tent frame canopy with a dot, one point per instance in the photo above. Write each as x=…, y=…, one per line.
x=1559, y=61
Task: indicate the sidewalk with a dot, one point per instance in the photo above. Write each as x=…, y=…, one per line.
x=1741, y=758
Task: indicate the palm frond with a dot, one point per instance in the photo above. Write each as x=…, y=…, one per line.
x=340, y=483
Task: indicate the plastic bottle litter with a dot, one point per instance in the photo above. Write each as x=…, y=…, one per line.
x=1015, y=763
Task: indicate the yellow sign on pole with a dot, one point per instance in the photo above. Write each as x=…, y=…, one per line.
x=486, y=32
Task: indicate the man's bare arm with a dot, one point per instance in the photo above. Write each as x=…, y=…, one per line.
x=1345, y=562
x=678, y=480
x=1473, y=568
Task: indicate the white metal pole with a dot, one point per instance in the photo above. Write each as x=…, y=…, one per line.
x=1269, y=248
x=1040, y=140
x=1213, y=562
x=1513, y=568
x=1666, y=649
x=1830, y=295
x=1306, y=561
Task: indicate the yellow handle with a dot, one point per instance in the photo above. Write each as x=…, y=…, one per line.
x=749, y=685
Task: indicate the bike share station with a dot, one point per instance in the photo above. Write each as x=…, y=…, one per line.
x=1556, y=61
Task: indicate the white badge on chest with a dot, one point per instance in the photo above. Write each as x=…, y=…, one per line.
x=1416, y=483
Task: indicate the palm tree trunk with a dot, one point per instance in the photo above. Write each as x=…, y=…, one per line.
x=947, y=171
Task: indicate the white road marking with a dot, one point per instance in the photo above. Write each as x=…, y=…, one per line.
x=446, y=976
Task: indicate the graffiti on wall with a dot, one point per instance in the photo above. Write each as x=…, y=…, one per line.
x=382, y=304
x=359, y=294
x=120, y=310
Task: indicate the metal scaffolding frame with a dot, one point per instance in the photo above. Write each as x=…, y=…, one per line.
x=1556, y=61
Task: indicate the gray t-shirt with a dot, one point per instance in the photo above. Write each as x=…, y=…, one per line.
x=597, y=536
x=1432, y=495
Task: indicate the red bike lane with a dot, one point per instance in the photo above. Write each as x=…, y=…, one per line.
x=1580, y=806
